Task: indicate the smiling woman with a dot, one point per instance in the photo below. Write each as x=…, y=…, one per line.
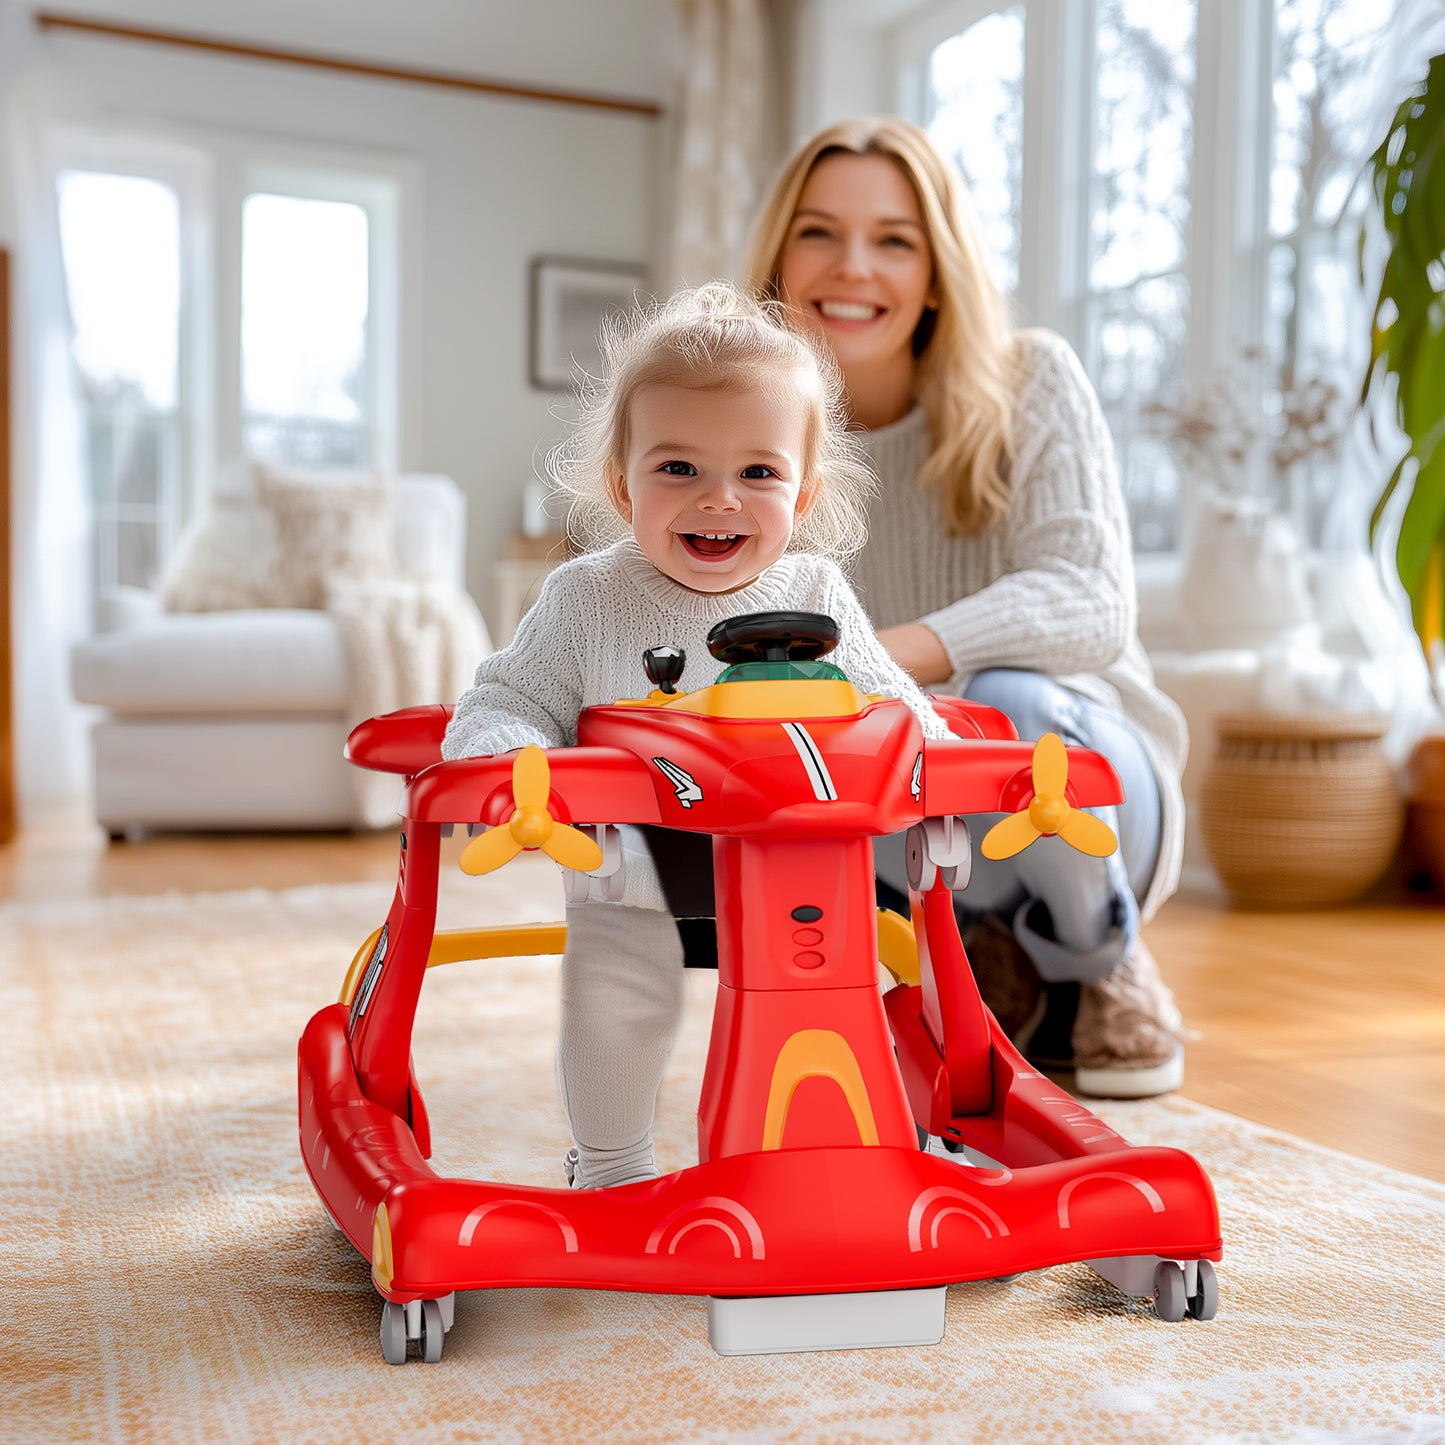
x=856, y=265
x=997, y=567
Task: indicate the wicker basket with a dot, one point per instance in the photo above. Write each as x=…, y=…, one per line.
x=1298, y=811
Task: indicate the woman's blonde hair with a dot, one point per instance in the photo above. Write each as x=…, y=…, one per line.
x=966, y=359
x=714, y=338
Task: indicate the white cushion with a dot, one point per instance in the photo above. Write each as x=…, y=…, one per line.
x=327, y=525
x=230, y=557
x=226, y=559
x=264, y=661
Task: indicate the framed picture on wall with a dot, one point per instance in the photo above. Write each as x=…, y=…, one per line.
x=569, y=300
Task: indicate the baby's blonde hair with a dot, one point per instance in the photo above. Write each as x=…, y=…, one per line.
x=714, y=338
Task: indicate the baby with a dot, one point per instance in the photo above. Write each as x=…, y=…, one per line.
x=714, y=451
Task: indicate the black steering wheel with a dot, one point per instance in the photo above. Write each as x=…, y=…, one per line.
x=772, y=637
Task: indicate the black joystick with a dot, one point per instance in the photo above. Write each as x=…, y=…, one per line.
x=664, y=666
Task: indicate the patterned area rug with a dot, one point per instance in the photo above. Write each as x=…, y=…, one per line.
x=173, y=1277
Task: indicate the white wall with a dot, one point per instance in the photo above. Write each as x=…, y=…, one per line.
x=840, y=58
x=498, y=180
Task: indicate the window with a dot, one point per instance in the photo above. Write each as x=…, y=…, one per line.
x=1325, y=84
x=1136, y=306
x=1168, y=183
x=304, y=299
x=120, y=241
x=975, y=113
x=261, y=326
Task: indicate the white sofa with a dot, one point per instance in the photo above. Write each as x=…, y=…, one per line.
x=236, y=719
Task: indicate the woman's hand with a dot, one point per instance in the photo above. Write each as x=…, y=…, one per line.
x=917, y=650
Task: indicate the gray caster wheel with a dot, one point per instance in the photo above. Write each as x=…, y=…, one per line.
x=1169, y=1291
x=393, y=1333
x=1204, y=1304
x=433, y=1331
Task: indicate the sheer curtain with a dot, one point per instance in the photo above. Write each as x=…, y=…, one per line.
x=52, y=603
x=725, y=140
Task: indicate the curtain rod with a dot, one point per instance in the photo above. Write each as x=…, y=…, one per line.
x=50, y=20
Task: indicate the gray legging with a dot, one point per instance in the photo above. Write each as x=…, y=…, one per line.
x=1077, y=917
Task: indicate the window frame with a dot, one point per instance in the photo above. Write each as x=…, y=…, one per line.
x=1228, y=243
x=189, y=172
x=211, y=173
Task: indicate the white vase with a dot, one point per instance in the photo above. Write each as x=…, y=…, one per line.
x=1245, y=581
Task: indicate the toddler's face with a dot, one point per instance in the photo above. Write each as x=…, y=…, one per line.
x=712, y=481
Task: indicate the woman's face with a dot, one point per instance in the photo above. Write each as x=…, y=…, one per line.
x=856, y=261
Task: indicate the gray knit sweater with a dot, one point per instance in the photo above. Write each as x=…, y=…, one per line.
x=582, y=643
x=1049, y=588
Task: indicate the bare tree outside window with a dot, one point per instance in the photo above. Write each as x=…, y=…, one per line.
x=1138, y=301
x=120, y=244
x=975, y=115
x=1327, y=82
x=305, y=296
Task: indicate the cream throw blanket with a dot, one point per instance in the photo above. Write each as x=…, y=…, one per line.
x=409, y=641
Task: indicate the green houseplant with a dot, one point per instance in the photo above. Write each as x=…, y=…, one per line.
x=1407, y=344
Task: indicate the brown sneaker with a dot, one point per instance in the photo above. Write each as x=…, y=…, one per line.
x=1128, y=1033
x=1006, y=976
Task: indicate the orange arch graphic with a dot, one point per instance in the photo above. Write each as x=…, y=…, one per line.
x=816, y=1053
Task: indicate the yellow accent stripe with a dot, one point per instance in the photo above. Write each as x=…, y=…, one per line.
x=898, y=947
x=816, y=1053
x=1432, y=603
x=382, y=1268
x=455, y=945
x=353, y=974
x=774, y=700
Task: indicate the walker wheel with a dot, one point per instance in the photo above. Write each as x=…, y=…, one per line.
x=393, y=1333
x=1169, y=1291
x=433, y=1332
x=1205, y=1303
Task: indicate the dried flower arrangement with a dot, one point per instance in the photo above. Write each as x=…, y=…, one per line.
x=1226, y=430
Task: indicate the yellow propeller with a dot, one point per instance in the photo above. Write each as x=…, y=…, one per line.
x=1049, y=811
x=531, y=825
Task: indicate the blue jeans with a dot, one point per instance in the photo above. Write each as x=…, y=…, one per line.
x=1076, y=917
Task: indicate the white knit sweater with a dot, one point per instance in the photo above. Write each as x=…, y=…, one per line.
x=581, y=644
x=1049, y=588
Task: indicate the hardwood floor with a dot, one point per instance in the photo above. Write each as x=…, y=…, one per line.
x=1326, y=1024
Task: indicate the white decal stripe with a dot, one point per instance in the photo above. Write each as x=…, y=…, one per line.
x=817, y=769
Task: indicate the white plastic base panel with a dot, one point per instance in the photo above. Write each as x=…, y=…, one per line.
x=1133, y=1274
x=869, y=1319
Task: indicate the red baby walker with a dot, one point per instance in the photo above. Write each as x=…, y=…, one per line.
x=813, y=1219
